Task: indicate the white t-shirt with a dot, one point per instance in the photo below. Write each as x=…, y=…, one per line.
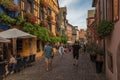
x=13, y=60
x=61, y=49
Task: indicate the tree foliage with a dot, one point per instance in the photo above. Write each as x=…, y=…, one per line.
x=41, y=32
x=55, y=39
x=64, y=38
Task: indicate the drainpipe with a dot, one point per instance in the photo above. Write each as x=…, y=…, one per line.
x=104, y=38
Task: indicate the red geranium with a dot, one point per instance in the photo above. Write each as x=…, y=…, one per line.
x=52, y=34
x=44, y=23
x=30, y=17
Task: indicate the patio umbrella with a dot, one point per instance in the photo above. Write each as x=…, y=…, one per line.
x=3, y=40
x=14, y=34
x=70, y=42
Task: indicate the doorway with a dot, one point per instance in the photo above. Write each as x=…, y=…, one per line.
x=118, y=62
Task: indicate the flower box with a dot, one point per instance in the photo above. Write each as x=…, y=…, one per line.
x=9, y=5
x=44, y=23
x=52, y=34
x=43, y=3
x=30, y=18
x=49, y=18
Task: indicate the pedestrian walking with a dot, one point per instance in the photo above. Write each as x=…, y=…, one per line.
x=48, y=56
x=61, y=51
x=76, y=48
x=84, y=48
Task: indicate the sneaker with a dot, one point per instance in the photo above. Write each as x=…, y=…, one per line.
x=7, y=73
x=11, y=72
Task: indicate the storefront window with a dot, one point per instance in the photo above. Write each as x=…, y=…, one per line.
x=19, y=45
x=38, y=45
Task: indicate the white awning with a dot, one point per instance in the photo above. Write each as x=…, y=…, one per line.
x=15, y=33
x=3, y=40
x=69, y=42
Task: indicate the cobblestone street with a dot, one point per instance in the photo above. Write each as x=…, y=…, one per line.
x=63, y=70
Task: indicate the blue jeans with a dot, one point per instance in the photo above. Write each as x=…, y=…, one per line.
x=12, y=66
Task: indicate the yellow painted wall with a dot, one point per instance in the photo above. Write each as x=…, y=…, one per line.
x=53, y=25
x=27, y=50
x=41, y=53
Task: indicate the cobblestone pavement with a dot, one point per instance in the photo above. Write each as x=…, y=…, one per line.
x=62, y=70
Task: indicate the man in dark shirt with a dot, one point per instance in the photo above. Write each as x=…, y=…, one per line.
x=76, y=48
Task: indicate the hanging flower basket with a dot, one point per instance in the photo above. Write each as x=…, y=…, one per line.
x=30, y=18
x=104, y=29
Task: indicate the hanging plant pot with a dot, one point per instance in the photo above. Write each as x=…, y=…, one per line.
x=104, y=29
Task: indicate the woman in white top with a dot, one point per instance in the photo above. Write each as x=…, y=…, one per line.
x=61, y=50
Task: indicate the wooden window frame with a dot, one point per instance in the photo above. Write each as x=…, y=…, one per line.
x=114, y=17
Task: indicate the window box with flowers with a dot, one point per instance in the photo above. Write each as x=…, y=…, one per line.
x=30, y=18
x=43, y=3
x=58, y=34
x=44, y=23
x=49, y=18
x=104, y=29
x=9, y=5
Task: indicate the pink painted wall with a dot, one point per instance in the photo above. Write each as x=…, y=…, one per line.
x=112, y=44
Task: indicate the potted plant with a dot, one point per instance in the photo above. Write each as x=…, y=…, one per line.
x=99, y=59
x=92, y=53
x=104, y=29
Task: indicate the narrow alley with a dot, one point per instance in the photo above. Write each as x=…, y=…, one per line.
x=63, y=70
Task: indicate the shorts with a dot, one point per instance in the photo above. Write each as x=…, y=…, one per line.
x=48, y=60
x=76, y=56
